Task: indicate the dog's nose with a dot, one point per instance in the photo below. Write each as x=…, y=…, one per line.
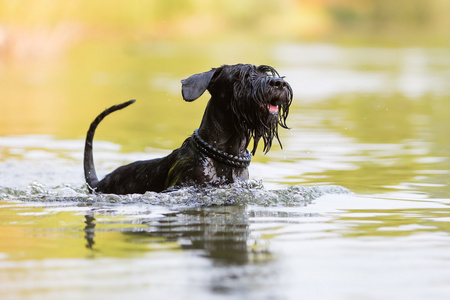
x=277, y=83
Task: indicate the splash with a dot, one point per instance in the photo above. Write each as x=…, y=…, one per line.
x=250, y=192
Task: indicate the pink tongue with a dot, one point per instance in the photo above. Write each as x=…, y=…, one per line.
x=272, y=108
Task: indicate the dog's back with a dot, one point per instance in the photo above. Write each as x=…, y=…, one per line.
x=134, y=178
x=156, y=175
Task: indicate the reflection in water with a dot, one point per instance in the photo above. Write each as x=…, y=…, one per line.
x=219, y=233
x=222, y=232
x=90, y=230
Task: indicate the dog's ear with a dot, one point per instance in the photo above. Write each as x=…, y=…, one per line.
x=194, y=86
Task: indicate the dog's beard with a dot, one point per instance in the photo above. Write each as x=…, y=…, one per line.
x=254, y=112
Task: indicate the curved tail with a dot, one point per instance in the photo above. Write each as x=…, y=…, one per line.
x=89, y=169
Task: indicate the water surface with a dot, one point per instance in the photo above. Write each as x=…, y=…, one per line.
x=355, y=205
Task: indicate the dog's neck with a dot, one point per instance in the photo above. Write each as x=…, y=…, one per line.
x=218, y=155
x=217, y=129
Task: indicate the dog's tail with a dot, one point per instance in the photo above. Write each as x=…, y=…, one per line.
x=89, y=169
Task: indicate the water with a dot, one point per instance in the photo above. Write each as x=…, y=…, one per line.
x=355, y=205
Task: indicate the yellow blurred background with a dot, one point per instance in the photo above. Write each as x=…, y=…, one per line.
x=48, y=27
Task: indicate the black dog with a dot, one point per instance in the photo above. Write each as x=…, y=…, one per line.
x=246, y=102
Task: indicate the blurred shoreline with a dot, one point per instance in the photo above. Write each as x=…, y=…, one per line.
x=47, y=29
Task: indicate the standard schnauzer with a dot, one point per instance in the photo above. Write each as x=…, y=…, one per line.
x=247, y=102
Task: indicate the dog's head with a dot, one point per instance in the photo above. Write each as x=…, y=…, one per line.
x=256, y=97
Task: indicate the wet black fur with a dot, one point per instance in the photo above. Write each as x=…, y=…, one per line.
x=237, y=112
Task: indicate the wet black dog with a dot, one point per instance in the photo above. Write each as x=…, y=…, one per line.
x=246, y=102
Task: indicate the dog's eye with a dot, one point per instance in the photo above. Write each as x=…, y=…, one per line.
x=268, y=71
x=271, y=73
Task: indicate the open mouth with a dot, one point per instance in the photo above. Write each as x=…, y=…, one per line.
x=272, y=108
